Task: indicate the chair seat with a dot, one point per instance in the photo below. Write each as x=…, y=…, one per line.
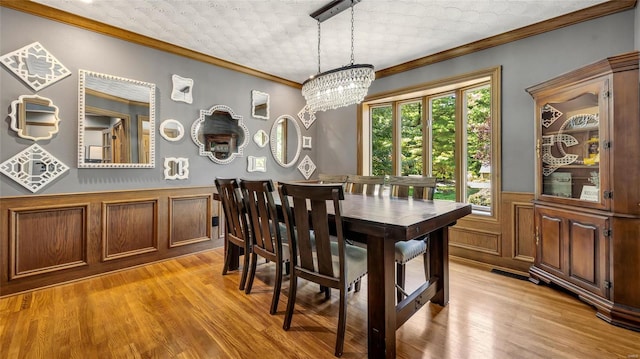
x=407, y=250
x=356, y=261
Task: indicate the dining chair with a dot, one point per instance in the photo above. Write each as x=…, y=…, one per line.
x=237, y=231
x=328, y=260
x=370, y=185
x=331, y=178
x=417, y=188
x=269, y=236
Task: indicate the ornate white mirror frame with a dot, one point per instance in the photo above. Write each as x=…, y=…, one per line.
x=33, y=168
x=116, y=122
x=171, y=130
x=280, y=140
x=223, y=138
x=306, y=167
x=307, y=118
x=256, y=164
x=260, y=104
x=36, y=66
x=34, y=117
x=182, y=89
x=261, y=138
x=176, y=168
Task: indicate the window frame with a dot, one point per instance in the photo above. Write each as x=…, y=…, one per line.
x=456, y=85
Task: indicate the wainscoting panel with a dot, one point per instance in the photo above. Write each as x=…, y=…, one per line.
x=51, y=239
x=47, y=239
x=130, y=228
x=189, y=218
x=475, y=240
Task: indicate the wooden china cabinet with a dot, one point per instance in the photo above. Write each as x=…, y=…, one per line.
x=587, y=196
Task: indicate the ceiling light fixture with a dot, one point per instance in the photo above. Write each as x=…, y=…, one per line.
x=339, y=87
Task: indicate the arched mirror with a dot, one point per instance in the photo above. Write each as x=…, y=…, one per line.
x=116, y=124
x=34, y=117
x=171, y=130
x=220, y=134
x=260, y=105
x=286, y=142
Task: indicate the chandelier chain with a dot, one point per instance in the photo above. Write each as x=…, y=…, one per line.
x=319, y=46
x=352, y=30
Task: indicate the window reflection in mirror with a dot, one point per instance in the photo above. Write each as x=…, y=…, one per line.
x=286, y=141
x=260, y=104
x=171, y=130
x=34, y=117
x=116, y=121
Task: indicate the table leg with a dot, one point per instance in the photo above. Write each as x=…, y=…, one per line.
x=439, y=263
x=381, y=298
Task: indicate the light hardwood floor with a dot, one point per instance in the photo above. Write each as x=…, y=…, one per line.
x=184, y=308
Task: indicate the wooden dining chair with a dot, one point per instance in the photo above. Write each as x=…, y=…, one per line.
x=236, y=229
x=418, y=188
x=370, y=185
x=267, y=232
x=328, y=260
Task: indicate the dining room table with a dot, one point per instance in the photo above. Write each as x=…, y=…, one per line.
x=380, y=222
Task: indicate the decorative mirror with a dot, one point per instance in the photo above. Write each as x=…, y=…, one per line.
x=256, y=164
x=182, y=89
x=220, y=134
x=306, y=167
x=260, y=105
x=171, y=130
x=33, y=168
x=34, y=117
x=306, y=142
x=176, y=168
x=286, y=142
x=116, y=124
x=261, y=138
x=36, y=66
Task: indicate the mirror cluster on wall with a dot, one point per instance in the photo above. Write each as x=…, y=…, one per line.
x=116, y=123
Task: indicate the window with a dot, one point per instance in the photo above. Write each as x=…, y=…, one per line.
x=448, y=129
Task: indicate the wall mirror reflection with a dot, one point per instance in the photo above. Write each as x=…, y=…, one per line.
x=171, y=130
x=220, y=134
x=260, y=104
x=116, y=122
x=34, y=117
x=261, y=138
x=286, y=142
x=176, y=168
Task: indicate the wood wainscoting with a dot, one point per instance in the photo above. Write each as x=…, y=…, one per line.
x=51, y=239
x=507, y=243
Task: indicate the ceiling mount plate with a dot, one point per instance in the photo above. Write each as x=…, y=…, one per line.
x=331, y=9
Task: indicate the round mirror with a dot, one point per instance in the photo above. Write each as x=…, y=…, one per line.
x=286, y=141
x=171, y=130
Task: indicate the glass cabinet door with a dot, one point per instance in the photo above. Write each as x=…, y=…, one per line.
x=570, y=144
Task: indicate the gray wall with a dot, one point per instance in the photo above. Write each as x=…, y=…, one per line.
x=524, y=63
x=81, y=49
x=637, y=32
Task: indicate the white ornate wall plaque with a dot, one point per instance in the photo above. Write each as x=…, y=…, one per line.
x=34, y=65
x=182, y=89
x=306, y=142
x=176, y=168
x=307, y=118
x=33, y=168
x=306, y=167
x=256, y=164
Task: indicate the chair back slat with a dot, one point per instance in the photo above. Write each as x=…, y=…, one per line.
x=364, y=184
x=401, y=186
x=263, y=215
x=311, y=211
x=233, y=207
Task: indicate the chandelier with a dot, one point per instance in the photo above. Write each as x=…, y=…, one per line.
x=339, y=87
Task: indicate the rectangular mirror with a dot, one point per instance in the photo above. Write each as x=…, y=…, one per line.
x=116, y=122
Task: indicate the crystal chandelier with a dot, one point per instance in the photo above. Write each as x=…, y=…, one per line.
x=339, y=87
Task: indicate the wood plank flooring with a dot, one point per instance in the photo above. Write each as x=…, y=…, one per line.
x=184, y=308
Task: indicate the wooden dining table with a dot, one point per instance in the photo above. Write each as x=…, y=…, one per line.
x=380, y=222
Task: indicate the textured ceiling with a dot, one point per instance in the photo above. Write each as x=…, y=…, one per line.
x=279, y=37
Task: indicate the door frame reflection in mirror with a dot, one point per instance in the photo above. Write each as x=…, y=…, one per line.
x=169, y=124
x=20, y=122
x=118, y=92
x=275, y=141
